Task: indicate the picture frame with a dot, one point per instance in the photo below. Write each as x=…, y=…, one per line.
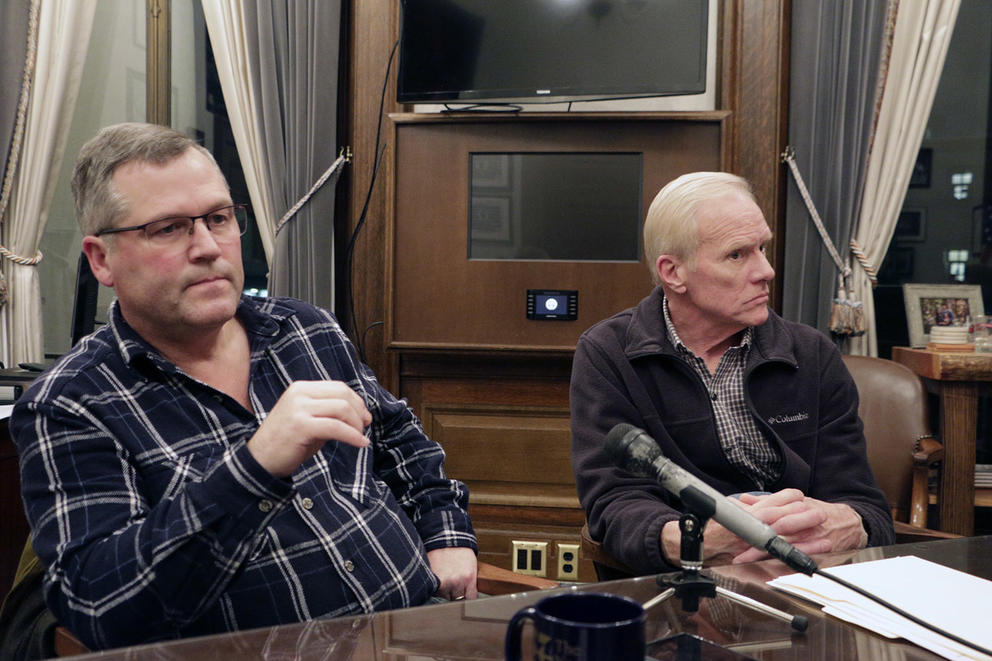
x=490, y=218
x=911, y=225
x=920, y=178
x=897, y=265
x=490, y=171
x=929, y=305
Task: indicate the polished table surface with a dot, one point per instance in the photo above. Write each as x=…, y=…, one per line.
x=475, y=629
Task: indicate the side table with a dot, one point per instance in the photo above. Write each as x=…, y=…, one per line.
x=957, y=378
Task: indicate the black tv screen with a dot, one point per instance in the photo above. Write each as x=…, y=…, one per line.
x=562, y=206
x=550, y=50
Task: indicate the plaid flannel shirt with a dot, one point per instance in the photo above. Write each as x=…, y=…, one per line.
x=154, y=521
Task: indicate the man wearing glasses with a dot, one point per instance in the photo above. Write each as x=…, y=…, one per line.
x=209, y=461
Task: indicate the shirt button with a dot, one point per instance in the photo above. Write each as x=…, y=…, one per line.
x=349, y=566
x=307, y=503
x=713, y=396
x=265, y=505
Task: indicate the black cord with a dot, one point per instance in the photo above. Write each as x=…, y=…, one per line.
x=899, y=611
x=368, y=328
x=350, y=250
x=485, y=107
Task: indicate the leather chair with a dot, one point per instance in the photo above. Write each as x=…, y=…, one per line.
x=491, y=580
x=901, y=452
x=901, y=449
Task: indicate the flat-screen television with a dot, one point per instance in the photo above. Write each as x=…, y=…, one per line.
x=550, y=50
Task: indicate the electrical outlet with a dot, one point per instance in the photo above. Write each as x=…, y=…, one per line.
x=530, y=558
x=568, y=562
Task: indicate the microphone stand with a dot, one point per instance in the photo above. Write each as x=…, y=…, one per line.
x=689, y=585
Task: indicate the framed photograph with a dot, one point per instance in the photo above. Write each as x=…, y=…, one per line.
x=911, y=225
x=490, y=171
x=921, y=169
x=939, y=305
x=490, y=216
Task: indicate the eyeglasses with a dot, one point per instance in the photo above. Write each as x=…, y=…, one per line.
x=225, y=224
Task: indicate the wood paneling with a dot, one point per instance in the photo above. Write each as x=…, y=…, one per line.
x=373, y=29
x=476, y=304
x=481, y=377
x=754, y=86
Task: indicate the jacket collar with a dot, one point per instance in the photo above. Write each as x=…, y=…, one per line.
x=646, y=334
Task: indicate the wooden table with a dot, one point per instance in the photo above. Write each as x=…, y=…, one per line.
x=957, y=378
x=475, y=629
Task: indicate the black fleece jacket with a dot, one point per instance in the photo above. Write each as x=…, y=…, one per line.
x=796, y=386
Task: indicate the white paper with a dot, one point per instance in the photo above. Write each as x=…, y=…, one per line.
x=952, y=600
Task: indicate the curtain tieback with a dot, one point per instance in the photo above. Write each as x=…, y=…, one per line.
x=343, y=157
x=17, y=259
x=846, y=314
x=869, y=268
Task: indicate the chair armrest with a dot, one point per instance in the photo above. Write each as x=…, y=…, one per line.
x=928, y=452
x=495, y=580
x=66, y=644
x=594, y=551
x=907, y=533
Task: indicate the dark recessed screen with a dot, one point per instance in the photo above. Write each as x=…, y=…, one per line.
x=576, y=206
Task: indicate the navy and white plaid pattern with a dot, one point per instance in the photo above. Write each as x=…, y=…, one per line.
x=156, y=522
x=746, y=447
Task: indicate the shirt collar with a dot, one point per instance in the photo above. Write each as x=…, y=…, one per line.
x=261, y=320
x=673, y=334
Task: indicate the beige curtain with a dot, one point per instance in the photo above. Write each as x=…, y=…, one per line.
x=63, y=38
x=279, y=63
x=226, y=27
x=919, y=45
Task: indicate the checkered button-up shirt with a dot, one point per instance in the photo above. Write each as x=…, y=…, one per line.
x=155, y=521
x=745, y=446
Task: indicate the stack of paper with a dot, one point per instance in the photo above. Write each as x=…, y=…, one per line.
x=983, y=475
x=949, y=599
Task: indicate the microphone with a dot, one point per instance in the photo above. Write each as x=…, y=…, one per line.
x=633, y=450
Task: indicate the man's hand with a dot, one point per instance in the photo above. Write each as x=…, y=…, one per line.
x=458, y=569
x=307, y=415
x=811, y=525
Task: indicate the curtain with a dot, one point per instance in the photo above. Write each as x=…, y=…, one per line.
x=13, y=47
x=63, y=37
x=836, y=49
x=278, y=66
x=919, y=45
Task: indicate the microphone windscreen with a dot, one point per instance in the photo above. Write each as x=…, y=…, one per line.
x=631, y=449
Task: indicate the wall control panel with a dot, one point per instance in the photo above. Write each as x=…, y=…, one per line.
x=552, y=304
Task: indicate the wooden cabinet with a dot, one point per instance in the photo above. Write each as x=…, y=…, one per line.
x=489, y=383
x=503, y=422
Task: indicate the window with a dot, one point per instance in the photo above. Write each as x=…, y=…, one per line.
x=944, y=232
x=115, y=89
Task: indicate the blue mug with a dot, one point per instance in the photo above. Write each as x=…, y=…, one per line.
x=581, y=626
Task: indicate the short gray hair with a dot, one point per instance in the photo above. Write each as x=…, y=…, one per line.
x=98, y=204
x=670, y=227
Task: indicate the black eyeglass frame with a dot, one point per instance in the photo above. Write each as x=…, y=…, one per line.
x=233, y=207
